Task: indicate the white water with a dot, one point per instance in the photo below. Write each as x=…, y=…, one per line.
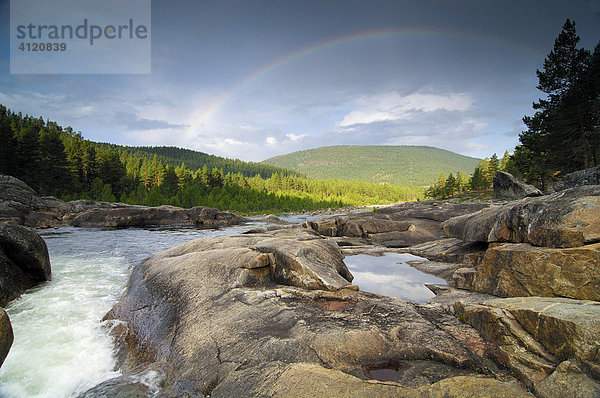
x=60, y=347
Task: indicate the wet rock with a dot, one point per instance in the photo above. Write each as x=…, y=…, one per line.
x=275, y=314
x=507, y=187
x=6, y=335
x=569, y=218
x=513, y=270
x=24, y=261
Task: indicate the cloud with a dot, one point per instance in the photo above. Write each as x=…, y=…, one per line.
x=393, y=106
x=294, y=137
x=271, y=141
x=132, y=122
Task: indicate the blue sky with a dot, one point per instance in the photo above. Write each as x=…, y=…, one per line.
x=252, y=79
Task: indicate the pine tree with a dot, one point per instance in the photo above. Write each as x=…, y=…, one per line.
x=560, y=136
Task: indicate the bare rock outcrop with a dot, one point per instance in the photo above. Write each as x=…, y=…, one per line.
x=514, y=270
x=275, y=314
x=569, y=218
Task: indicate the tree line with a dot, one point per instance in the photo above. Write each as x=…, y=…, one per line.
x=563, y=135
x=480, y=181
x=58, y=161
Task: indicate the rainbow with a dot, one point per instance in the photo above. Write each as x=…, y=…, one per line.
x=336, y=41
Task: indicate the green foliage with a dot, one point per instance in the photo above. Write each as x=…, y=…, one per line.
x=60, y=162
x=480, y=181
x=564, y=133
x=196, y=160
x=401, y=165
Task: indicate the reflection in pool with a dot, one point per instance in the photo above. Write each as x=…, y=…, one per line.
x=390, y=275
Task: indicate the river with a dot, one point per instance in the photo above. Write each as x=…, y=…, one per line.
x=61, y=348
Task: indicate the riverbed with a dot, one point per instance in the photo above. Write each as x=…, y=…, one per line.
x=61, y=347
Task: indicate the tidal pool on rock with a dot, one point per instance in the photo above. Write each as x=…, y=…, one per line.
x=60, y=347
x=390, y=275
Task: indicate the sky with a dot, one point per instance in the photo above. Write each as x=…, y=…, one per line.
x=252, y=79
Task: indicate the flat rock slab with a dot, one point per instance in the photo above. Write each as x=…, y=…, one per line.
x=275, y=314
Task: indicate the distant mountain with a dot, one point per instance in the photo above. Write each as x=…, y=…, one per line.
x=196, y=160
x=400, y=165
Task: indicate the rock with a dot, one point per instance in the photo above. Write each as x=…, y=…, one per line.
x=24, y=261
x=6, y=335
x=273, y=219
x=296, y=380
x=566, y=328
x=510, y=345
x=435, y=268
x=143, y=383
x=120, y=215
x=579, y=178
x=19, y=204
x=273, y=314
x=569, y=218
x=449, y=250
x=514, y=270
x=532, y=335
x=507, y=187
x=394, y=226
x=568, y=380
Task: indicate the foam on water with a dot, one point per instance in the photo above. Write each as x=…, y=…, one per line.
x=61, y=348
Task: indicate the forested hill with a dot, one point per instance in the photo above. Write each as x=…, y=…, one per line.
x=400, y=165
x=197, y=160
x=58, y=161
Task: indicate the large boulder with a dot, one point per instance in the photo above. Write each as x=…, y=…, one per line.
x=275, y=314
x=24, y=261
x=20, y=204
x=569, y=218
x=513, y=270
x=507, y=187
